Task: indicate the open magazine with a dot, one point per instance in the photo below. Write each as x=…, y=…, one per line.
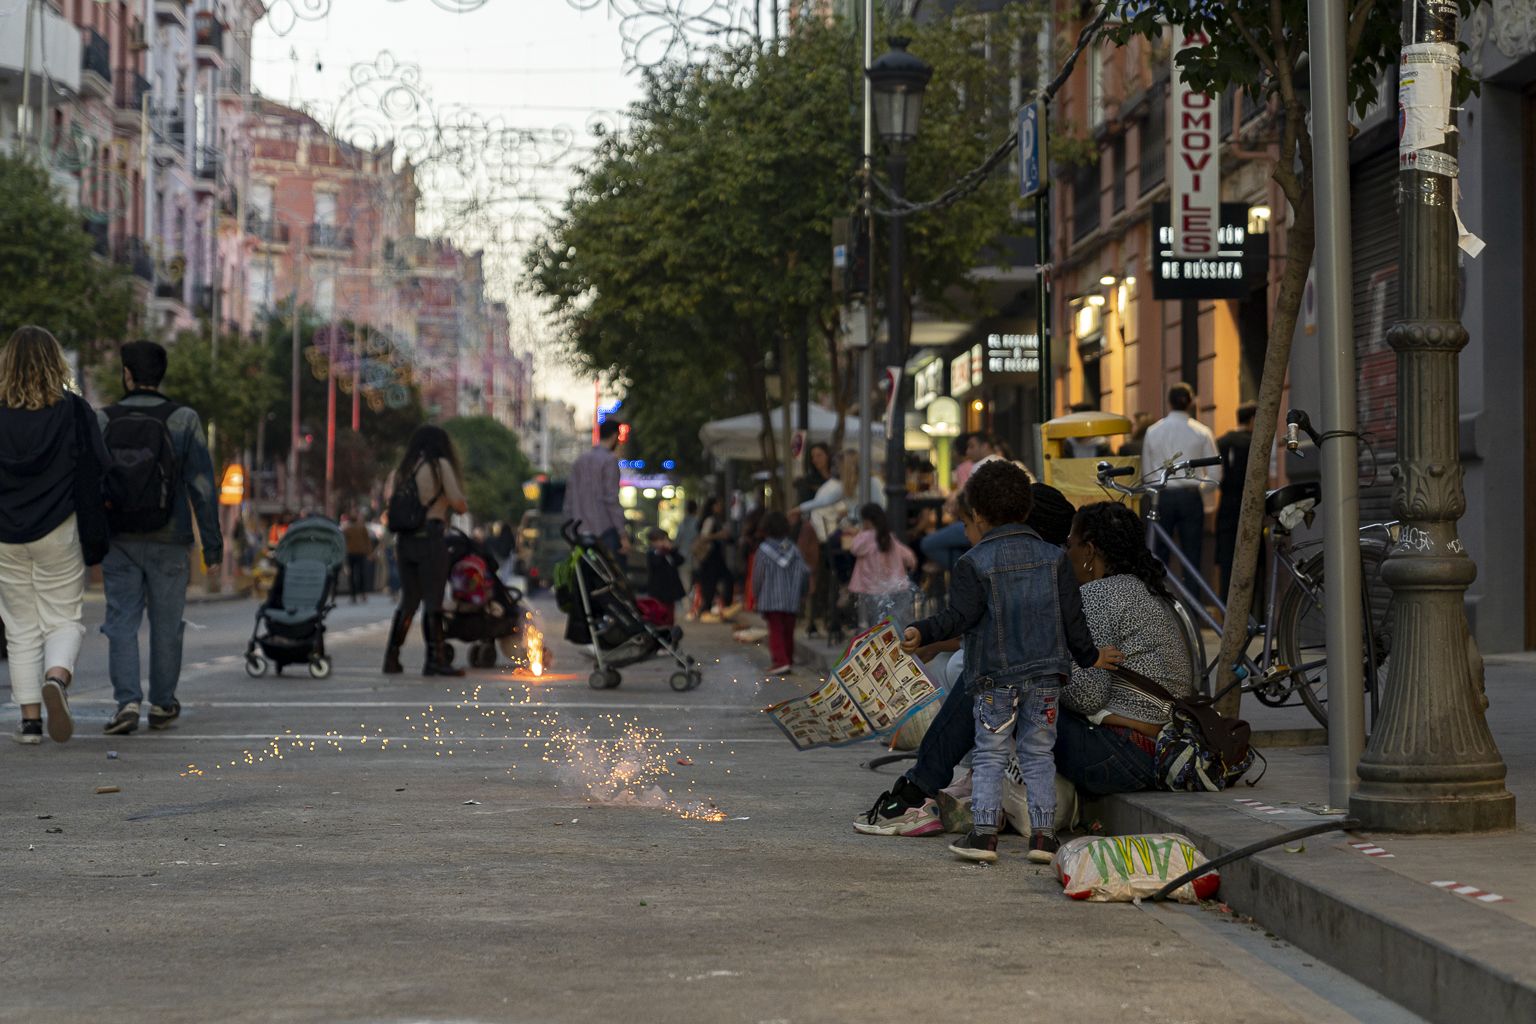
x=871, y=692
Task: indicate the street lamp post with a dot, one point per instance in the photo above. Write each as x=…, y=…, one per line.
x=1432, y=764
x=898, y=79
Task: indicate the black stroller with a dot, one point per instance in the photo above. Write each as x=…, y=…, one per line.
x=593, y=591
x=290, y=624
x=484, y=612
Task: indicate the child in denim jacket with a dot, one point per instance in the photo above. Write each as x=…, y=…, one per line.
x=1014, y=598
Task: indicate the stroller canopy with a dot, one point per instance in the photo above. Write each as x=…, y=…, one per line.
x=313, y=539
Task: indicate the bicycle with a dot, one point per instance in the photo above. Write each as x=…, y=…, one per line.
x=1292, y=658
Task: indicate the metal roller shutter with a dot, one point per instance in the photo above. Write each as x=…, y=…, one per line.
x=1375, y=228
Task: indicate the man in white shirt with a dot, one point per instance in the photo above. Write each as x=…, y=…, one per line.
x=1174, y=438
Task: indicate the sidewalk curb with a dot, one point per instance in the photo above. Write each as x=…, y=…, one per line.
x=1446, y=960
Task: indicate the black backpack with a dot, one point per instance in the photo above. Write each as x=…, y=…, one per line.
x=407, y=512
x=140, y=478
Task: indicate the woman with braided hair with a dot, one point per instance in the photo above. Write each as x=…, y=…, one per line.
x=1107, y=738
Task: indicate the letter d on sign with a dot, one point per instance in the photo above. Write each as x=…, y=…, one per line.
x=1196, y=181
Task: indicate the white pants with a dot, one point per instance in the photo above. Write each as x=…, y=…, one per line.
x=42, y=586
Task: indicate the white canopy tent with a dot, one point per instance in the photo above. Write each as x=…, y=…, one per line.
x=738, y=437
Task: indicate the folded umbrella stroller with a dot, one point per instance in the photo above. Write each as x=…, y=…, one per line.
x=290, y=624
x=601, y=611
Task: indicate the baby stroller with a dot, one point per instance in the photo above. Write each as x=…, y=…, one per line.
x=484, y=612
x=593, y=591
x=290, y=624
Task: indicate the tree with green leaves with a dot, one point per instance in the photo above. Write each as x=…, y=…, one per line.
x=48, y=273
x=232, y=393
x=1261, y=46
x=694, y=255
x=494, y=466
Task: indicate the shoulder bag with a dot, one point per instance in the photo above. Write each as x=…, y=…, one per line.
x=1199, y=749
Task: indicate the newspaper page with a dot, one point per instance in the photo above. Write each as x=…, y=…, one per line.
x=872, y=691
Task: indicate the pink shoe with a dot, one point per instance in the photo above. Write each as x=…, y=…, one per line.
x=910, y=822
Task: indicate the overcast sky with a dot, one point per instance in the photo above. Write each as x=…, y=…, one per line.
x=534, y=64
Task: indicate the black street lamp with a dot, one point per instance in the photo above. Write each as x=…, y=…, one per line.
x=897, y=79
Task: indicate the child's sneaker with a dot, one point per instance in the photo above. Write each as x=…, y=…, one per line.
x=1043, y=846
x=976, y=847
x=891, y=816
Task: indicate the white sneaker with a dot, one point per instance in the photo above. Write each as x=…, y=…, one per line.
x=781, y=670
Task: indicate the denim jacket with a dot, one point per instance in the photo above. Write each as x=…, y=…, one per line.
x=1014, y=598
x=196, y=491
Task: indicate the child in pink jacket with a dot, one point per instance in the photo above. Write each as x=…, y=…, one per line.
x=881, y=571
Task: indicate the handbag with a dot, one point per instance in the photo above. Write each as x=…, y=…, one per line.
x=825, y=520
x=90, y=504
x=1199, y=749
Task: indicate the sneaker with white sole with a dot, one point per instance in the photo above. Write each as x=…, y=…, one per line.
x=1043, y=846
x=126, y=720
x=29, y=732
x=162, y=717
x=976, y=847
x=781, y=670
x=61, y=723
x=892, y=817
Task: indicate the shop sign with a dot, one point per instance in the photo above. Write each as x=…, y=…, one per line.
x=1011, y=358
x=1196, y=176
x=927, y=383
x=966, y=370
x=1220, y=275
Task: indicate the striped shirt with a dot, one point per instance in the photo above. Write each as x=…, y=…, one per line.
x=592, y=492
x=780, y=577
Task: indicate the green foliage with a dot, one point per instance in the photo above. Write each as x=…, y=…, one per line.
x=699, y=241
x=494, y=467
x=48, y=274
x=234, y=395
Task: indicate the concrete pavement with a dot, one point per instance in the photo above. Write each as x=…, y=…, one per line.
x=523, y=851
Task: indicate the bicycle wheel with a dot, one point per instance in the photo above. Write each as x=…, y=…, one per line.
x=1194, y=647
x=1302, y=628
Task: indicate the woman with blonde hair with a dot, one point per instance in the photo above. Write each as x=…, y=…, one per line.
x=51, y=456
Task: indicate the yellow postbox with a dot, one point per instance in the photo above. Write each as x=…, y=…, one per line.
x=1077, y=478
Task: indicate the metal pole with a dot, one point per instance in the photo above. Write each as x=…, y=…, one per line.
x=330, y=422
x=295, y=493
x=895, y=443
x=26, y=68
x=1341, y=542
x=1043, y=316
x=867, y=353
x=357, y=380
x=1432, y=764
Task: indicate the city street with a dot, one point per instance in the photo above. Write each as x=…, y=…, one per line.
x=273, y=858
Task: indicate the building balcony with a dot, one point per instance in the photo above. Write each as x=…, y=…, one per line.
x=210, y=40
x=98, y=230
x=205, y=171
x=329, y=236
x=169, y=128
x=95, y=65
x=55, y=46
x=172, y=12
x=168, y=290
x=131, y=253
x=267, y=231
x=202, y=300
x=129, y=93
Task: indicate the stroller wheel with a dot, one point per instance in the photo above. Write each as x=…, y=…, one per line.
x=255, y=666
x=320, y=668
x=598, y=680
x=614, y=679
x=695, y=677
x=681, y=681
x=483, y=655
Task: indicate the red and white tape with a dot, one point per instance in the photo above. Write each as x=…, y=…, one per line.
x=1471, y=892
x=1371, y=850
x=1259, y=806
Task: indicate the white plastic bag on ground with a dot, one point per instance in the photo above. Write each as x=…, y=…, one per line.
x=955, y=803
x=1119, y=869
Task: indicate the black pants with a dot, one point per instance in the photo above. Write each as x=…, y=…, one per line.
x=1182, y=514
x=423, y=560
x=357, y=574
x=714, y=580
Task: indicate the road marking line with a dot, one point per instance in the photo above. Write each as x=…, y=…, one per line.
x=307, y=737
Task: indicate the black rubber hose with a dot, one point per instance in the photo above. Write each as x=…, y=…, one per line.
x=880, y=762
x=1252, y=848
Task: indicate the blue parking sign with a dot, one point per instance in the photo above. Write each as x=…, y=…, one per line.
x=1032, y=150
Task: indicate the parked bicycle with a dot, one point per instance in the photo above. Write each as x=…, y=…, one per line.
x=1291, y=661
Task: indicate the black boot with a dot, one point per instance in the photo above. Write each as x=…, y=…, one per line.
x=437, y=663
x=399, y=629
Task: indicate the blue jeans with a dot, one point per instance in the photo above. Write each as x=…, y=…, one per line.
x=950, y=736
x=136, y=574
x=1099, y=760
x=945, y=545
x=1022, y=720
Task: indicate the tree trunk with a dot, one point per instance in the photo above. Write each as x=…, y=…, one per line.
x=1250, y=527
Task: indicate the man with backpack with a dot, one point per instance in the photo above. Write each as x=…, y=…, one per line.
x=159, y=475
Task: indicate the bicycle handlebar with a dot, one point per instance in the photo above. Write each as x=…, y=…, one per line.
x=1209, y=460
x=1106, y=470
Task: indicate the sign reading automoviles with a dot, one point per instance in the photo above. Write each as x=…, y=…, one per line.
x=1219, y=275
x=1196, y=183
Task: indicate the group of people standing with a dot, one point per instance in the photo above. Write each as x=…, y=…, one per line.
x=120, y=487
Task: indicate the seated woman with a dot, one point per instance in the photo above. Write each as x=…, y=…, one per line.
x=1109, y=752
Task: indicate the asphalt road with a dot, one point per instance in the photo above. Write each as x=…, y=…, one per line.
x=523, y=851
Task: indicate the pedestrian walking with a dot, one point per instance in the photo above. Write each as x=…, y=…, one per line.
x=159, y=476
x=779, y=586
x=1233, y=447
x=882, y=570
x=713, y=573
x=422, y=492
x=359, y=549
x=1174, y=438
x=662, y=582
x=1015, y=601
x=50, y=514
x=592, y=492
